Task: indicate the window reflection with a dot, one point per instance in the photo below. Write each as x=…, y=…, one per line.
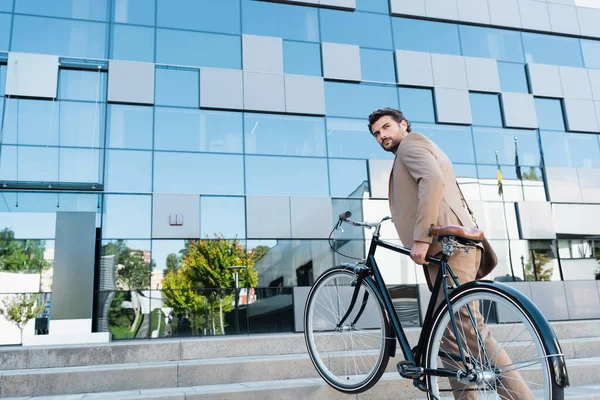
x=348, y=178
x=575, y=150
x=185, y=173
x=379, y=6
x=591, y=53
x=127, y=216
x=486, y=109
x=126, y=264
x=455, y=141
x=377, y=65
x=82, y=85
x=198, y=49
x=358, y=28
x=79, y=9
x=140, y=12
x=301, y=58
x=280, y=20
x=512, y=187
x=540, y=262
x=132, y=43
x=357, y=101
x=129, y=126
x=224, y=216
x=488, y=141
x=427, y=36
x=552, y=49
x=68, y=38
x=284, y=135
x=350, y=138
x=129, y=171
x=417, y=104
x=80, y=165
x=513, y=77
x=5, y=25
x=501, y=44
x=221, y=16
x=32, y=122
x=286, y=176
x=550, y=114
x=81, y=124
x=6, y=5
x=197, y=130
x=177, y=87
x=578, y=258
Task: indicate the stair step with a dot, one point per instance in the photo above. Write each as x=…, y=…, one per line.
x=158, y=350
x=389, y=387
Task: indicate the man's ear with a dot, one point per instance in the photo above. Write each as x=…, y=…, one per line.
x=404, y=124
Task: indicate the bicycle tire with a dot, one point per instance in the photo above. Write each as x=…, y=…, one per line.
x=337, y=281
x=494, y=303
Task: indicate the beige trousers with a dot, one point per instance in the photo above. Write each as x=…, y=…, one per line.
x=512, y=387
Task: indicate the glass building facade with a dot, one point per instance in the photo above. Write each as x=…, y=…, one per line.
x=217, y=141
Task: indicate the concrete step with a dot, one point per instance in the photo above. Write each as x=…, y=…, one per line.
x=391, y=386
x=201, y=372
x=162, y=350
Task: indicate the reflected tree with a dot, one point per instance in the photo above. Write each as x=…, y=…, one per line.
x=21, y=255
x=172, y=263
x=531, y=175
x=21, y=308
x=540, y=273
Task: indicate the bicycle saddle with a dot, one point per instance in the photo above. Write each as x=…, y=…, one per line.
x=473, y=234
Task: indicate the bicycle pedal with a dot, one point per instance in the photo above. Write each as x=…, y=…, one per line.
x=408, y=370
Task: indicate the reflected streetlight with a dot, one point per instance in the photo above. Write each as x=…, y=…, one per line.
x=236, y=278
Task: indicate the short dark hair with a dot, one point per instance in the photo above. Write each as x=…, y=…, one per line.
x=392, y=112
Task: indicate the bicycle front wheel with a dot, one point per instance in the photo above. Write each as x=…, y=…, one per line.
x=502, y=347
x=352, y=357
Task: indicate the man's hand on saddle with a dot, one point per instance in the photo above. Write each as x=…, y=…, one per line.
x=418, y=252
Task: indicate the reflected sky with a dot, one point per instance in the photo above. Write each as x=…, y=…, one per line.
x=281, y=20
x=132, y=43
x=350, y=138
x=358, y=28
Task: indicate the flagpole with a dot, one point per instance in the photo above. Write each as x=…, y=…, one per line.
x=501, y=194
x=518, y=169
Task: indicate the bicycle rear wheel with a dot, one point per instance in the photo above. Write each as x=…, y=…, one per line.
x=350, y=358
x=502, y=345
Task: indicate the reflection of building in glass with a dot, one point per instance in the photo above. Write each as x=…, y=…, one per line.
x=259, y=134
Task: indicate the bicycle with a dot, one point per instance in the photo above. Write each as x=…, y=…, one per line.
x=351, y=328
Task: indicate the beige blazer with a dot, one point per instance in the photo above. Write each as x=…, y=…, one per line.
x=423, y=192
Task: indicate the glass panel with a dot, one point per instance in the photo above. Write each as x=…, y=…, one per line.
x=417, y=104
x=81, y=124
x=533, y=183
x=129, y=126
x=82, y=85
x=79, y=9
x=358, y=28
x=202, y=15
x=512, y=189
x=129, y=171
x=591, y=53
x=513, y=77
x=127, y=216
x=132, y=43
x=131, y=262
x=429, y=36
x=357, y=101
x=284, y=135
x=486, y=109
x=280, y=20
x=286, y=176
x=2, y=79
x=550, y=114
x=301, y=58
x=8, y=163
x=6, y=5
x=488, y=141
x=285, y=263
x=278, y=317
x=575, y=150
x=121, y=319
x=455, y=141
x=139, y=12
x=377, y=65
x=196, y=130
x=541, y=263
x=56, y=36
x=80, y=165
x=45, y=167
x=31, y=122
x=5, y=24
x=198, y=49
x=348, y=178
x=225, y=216
x=380, y=6
x=551, y=49
x=350, y=138
x=503, y=45
x=177, y=87
x=189, y=173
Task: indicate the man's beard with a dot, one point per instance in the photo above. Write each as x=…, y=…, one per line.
x=393, y=146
